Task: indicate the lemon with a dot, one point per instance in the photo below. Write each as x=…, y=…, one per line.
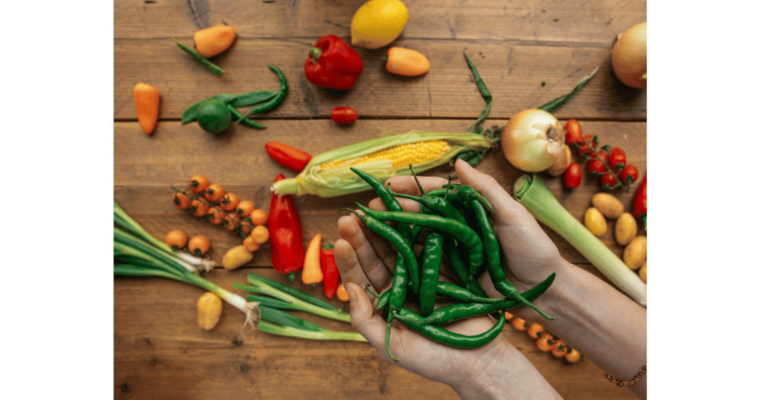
x=378, y=23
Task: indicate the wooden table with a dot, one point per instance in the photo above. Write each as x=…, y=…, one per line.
x=159, y=351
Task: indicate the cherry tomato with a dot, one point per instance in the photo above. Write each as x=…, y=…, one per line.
x=176, y=240
x=245, y=208
x=573, y=356
x=229, y=202
x=230, y=222
x=573, y=176
x=519, y=324
x=617, y=159
x=259, y=217
x=534, y=329
x=215, y=215
x=181, y=201
x=199, y=209
x=260, y=234
x=560, y=349
x=198, y=183
x=250, y=244
x=609, y=181
x=344, y=115
x=246, y=227
x=545, y=344
x=199, y=245
x=630, y=174
x=596, y=167
x=583, y=148
x=573, y=131
x=214, y=193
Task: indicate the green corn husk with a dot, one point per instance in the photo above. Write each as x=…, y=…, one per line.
x=340, y=180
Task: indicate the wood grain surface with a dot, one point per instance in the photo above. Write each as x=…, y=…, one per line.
x=159, y=351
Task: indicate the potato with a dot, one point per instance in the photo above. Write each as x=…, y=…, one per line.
x=643, y=272
x=625, y=229
x=595, y=222
x=608, y=205
x=635, y=254
x=236, y=256
x=209, y=310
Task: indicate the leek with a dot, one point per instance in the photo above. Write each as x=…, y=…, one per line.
x=532, y=192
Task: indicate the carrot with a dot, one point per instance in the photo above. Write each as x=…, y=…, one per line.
x=212, y=41
x=312, y=271
x=146, y=103
x=342, y=294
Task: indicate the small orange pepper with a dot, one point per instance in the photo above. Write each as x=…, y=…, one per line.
x=212, y=41
x=406, y=62
x=312, y=271
x=342, y=294
x=146, y=103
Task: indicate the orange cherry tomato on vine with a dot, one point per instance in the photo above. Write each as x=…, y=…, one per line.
x=214, y=193
x=176, y=240
x=534, y=329
x=545, y=344
x=260, y=234
x=560, y=349
x=259, y=217
x=573, y=131
x=181, y=201
x=596, y=167
x=250, y=244
x=344, y=115
x=198, y=208
x=199, y=245
x=229, y=202
x=573, y=176
x=609, y=181
x=617, y=159
x=573, y=356
x=519, y=324
x=215, y=215
x=630, y=174
x=246, y=227
x=198, y=183
x=230, y=222
x=245, y=208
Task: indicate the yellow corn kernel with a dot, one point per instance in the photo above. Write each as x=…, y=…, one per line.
x=402, y=155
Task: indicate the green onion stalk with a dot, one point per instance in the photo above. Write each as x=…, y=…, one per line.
x=192, y=263
x=532, y=192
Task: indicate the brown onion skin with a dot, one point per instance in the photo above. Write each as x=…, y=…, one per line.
x=629, y=57
x=521, y=147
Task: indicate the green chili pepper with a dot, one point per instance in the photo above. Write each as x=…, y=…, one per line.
x=457, y=257
x=483, y=92
x=430, y=268
x=439, y=205
x=461, y=194
x=455, y=312
x=190, y=113
x=386, y=196
x=443, y=336
x=493, y=258
x=443, y=289
x=197, y=57
x=241, y=117
x=276, y=100
x=251, y=98
x=475, y=288
x=445, y=225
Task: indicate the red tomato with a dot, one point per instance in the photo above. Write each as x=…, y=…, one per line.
x=617, y=159
x=344, y=115
x=596, y=167
x=573, y=131
x=573, y=176
x=609, y=181
x=630, y=174
x=583, y=148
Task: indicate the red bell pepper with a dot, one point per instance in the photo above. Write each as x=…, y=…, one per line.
x=333, y=64
x=285, y=235
x=330, y=274
x=288, y=156
x=640, y=204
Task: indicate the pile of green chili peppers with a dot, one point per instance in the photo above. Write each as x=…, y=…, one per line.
x=448, y=215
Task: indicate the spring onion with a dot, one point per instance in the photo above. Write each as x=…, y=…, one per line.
x=121, y=218
x=531, y=192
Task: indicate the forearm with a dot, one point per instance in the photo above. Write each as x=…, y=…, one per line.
x=603, y=324
x=506, y=375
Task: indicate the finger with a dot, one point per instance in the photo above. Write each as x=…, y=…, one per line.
x=364, y=319
x=348, y=264
x=382, y=248
x=506, y=209
x=406, y=184
x=406, y=204
x=371, y=265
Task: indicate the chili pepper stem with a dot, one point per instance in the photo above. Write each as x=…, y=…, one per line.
x=292, y=276
x=388, y=341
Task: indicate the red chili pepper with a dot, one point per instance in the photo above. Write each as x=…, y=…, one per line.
x=344, y=115
x=330, y=274
x=333, y=64
x=640, y=204
x=288, y=156
x=285, y=234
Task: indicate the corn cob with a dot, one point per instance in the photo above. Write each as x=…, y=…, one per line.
x=329, y=174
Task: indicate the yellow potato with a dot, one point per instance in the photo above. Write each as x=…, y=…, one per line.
x=608, y=205
x=643, y=272
x=625, y=229
x=635, y=254
x=236, y=256
x=209, y=310
x=595, y=222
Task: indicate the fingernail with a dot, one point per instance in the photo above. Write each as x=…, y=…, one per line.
x=463, y=164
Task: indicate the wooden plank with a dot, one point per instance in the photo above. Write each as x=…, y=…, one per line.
x=144, y=167
x=160, y=353
x=578, y=21
x=513, y=73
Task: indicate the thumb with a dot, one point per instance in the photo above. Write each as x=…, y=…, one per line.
x=363, y=317
x=506, y=209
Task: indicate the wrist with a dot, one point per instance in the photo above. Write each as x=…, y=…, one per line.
x=483, y=381
x=554, y=298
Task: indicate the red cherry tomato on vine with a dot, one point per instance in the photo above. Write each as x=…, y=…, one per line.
x=617, y=159
x=630, y=174
x=573, y=131
x=583, y=148
x=344, y=115
x=596, y=167
x=573, y=176
x=609, y=181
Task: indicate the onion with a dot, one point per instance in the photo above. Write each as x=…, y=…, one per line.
x=532, y=141
x=564, y=160
x=629, y=57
